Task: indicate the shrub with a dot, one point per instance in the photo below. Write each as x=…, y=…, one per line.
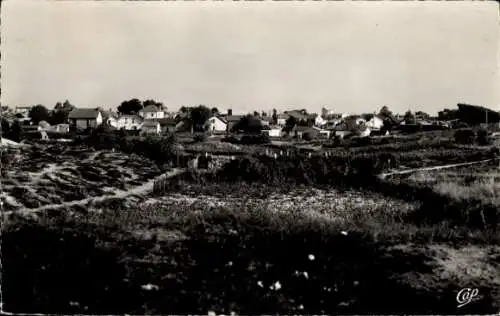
x=231, y=139
x=464, y=136
x=102, y=137
x=200, y=137
x=254, y=139
x=307, y=136
x=483, y=137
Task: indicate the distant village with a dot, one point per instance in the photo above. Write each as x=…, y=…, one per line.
x=152, y=118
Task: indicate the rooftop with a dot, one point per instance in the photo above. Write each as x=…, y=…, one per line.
x=84, y=113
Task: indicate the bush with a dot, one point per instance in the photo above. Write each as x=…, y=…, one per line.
x=483, y=137
x=198, y=138
x=103, y=137
x=307, y=136
x=255, y=139
x=230, y=139
x=464, y=136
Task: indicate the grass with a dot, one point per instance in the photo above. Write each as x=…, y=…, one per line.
x=56, y=173
x=227, y=258
x=334, y=238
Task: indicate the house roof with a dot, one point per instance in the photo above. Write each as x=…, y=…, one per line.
x=150, y=108
x=167, y=121
x=220, y=118
x=233, y=118
x=266, y=118
x=84, y=113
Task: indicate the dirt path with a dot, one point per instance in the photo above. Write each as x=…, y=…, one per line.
x=144, y=188
x=384, y=175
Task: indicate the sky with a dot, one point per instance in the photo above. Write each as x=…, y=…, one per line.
x=349, y=56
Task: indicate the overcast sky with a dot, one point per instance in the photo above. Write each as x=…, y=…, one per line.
x=351, y=57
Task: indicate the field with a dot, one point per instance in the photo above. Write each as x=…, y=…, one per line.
x=83, y=232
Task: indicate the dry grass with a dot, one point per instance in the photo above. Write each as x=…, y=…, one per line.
x=220, y=246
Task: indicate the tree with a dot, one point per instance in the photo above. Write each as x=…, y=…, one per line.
x=214, y=111
x=255, y=113
x=448, y=114
x=198, y=117
x=58, y=106
x=185, y=109
x=291, y=122
x=275, y=116
x=39, y=113
x=159, y=105
x=385, y=112
x=249, y=124
x=61, y=112
x=130, y=107
x=422, y=115
x=409, y=117
x=5, y=126
x=263, y=114
x=14, y=132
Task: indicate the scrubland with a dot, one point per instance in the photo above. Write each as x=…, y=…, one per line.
x=297, y=234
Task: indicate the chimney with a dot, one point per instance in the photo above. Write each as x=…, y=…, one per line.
x=229, y=112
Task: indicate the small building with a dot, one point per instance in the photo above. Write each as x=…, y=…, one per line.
x=216, y=124
x=151, y=112
x=168, y=125
x=23, y=110
x=129, y=122
x=61, y=128
x=354, y=122
x=281, y=119
x=375, y=122
x=272, y=131
x=319, y=121
x=231, y=121
x=300, y=131
x=84, y=118
x=266, y=120
x=110, y=119
x=150, y=127
x=363, y=131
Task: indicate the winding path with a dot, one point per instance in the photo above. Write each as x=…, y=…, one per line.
x=141, y=189
x=384, y=175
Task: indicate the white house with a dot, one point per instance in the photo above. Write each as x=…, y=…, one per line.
x=151, y=112
x=281, y=119
x=319, y=121
x=325, y=112
x=84, y=118
x=110, y=119
x=216, y=124
x=150, y=127
x=375, y=123
x=61, y=128
x=23, y=110
x=129, y=122
x=272, y=131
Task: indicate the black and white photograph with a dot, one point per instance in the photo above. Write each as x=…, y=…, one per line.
x=250, y=157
